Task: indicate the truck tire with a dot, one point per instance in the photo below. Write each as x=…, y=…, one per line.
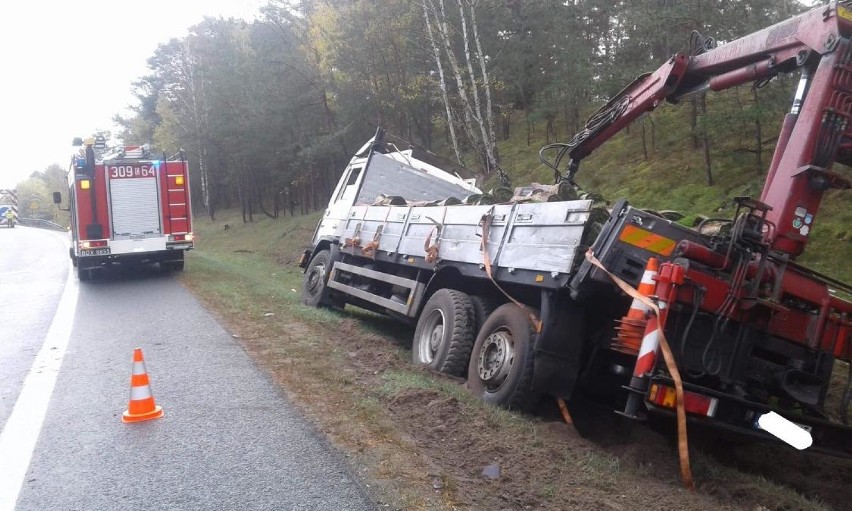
x=174, y=265
x=445, y=332
x=501, y=365
x=483, y=306
x=83, y=274
x=316, y=277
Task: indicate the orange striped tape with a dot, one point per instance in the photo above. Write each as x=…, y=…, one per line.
x=647, y=240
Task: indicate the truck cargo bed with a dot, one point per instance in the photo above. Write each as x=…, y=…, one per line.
x=543, y=237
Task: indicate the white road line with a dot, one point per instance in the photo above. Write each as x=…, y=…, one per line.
x=19, y=436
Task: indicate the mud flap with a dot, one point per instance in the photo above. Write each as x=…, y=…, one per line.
x=559, y=346
x=305, y=258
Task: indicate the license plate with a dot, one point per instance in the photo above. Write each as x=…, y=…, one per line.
x=95, y=251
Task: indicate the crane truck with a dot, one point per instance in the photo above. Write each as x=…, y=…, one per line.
x=523, y=298
x=127, y=207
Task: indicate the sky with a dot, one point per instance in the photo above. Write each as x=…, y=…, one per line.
x=66, y=68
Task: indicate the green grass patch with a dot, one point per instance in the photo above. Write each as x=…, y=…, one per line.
x=248, y=274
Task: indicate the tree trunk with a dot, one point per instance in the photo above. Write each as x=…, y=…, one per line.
x=758, y=134
x=486, y=86
x=241, y=196
x=693, y=121
x=483, y=119
x=460, y=84
x=205, y=186
x=653, y=132
x=276, y=203
x=706, y=142
x=442, y=82
x=314, y=191
x=506, y=116
x=529, y=126
x=250, y=201
x=259, y=196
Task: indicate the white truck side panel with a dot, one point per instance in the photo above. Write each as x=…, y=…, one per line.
x=534, y=236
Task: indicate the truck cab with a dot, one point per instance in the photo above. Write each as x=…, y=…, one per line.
x=393, y=174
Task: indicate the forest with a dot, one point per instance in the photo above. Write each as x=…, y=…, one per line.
x=268, y=111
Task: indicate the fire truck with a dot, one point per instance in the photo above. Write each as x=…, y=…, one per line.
x=527, y=299
x=127, y=207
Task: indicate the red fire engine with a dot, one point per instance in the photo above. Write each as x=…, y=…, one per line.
x=127, y=208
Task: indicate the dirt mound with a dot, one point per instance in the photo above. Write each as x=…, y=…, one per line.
x=421, y=442
x=501, y=461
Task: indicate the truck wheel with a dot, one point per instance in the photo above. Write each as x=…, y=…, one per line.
x=483, y=306
x=445, y=332
x=174, y=265
x=73, y=257
x=316, y=276
x=501, y=365
x=83, y=274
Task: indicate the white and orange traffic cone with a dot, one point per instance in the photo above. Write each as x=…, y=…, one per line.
x=141, y=406
x=631, y=327
x=645, y=361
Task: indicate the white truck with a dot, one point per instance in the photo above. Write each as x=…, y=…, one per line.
x=502, y=294
x=499, y=293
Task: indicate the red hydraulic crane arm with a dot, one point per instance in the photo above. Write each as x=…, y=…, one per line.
x=643, y=95
x=812, y=134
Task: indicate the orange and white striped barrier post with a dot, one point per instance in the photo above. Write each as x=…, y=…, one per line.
x=631, y=327
x=650, y=346
x=141, y=406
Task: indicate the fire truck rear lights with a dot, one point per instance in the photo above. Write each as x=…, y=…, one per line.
x=665, y=396
x=93, y=244
x=84, y=184
x=179, y=180
x=181, y=237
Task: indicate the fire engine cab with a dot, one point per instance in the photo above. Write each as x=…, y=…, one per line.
x=127, y=207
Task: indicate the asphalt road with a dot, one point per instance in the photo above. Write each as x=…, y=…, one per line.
x=228, y=440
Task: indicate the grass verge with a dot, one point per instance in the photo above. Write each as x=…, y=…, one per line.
x=417, y=439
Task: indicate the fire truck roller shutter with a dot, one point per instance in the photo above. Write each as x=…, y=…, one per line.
x=135, y=207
